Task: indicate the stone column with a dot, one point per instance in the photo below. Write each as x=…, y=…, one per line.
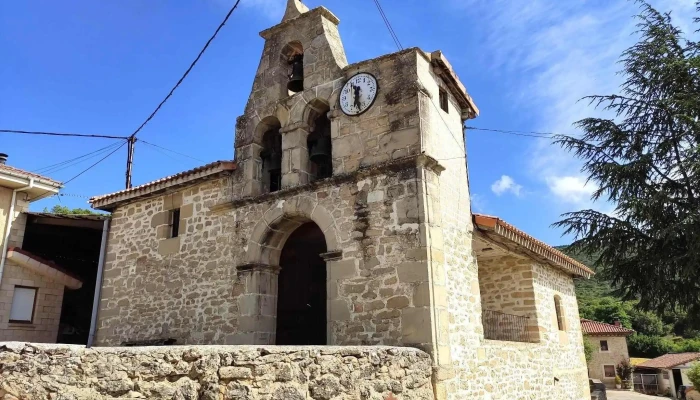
x=258, y=304
x=248, y=159
x=336, y=309
x=295, y=155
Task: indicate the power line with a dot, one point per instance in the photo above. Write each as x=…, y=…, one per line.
x=186, y=72
x=93, y=165
x=61, y=134
x=398, y=44
x=172, y=151
x=544, y=135
x=388, y=25
x=73, y=161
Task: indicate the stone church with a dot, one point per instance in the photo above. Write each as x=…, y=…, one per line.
x=345, y=220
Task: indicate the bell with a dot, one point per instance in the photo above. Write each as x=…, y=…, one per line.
x=296, y=80
x=272, y=161
x=321, y=151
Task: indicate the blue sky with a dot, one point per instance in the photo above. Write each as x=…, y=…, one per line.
x=101, y=67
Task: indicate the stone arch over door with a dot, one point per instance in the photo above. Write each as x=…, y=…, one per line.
x=258, y=306
x=279, y=221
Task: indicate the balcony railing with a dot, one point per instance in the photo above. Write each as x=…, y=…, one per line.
x=507, y=327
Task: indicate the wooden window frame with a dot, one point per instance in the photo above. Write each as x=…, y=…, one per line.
x=36, y=295
x=174, y=223
x=607, y=346
x=614, y=371
x=559, y=311
x=444, y=100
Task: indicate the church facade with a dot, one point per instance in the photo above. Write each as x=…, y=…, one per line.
x=345, y=220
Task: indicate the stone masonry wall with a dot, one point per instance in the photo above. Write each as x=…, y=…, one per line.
x=62, y=372
x=617, y=353
x=506, y=285
x=191, y=291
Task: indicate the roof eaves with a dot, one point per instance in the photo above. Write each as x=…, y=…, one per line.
x=515, y=235
x=44, y=267
x=108, y=201
x=446, y=71
x=24, y=175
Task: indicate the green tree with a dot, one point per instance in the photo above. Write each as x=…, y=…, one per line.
x=588, y=349
x=648, y=323
x=58, y=209
x=648, y=346
x=646, y=161
x=608, y=310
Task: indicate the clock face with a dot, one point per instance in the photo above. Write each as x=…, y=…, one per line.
x=358, y=94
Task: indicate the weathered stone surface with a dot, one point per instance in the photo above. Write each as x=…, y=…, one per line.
x=272, y=373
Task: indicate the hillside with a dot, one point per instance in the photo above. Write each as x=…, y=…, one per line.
x=657, y=334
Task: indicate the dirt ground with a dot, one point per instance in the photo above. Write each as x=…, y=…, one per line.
x=627, y=395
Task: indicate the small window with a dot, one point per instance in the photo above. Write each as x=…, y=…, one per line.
x=560, y=313
x=174, y=223
x=665, y=375
x=444, y=100
x=603, y=345
x=609, y=371
x=23, y=300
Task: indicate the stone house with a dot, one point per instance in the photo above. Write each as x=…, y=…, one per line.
x=345, y=220
x=31, y=288
x=610, y=349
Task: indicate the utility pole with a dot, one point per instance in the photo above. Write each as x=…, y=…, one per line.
x=130, y=160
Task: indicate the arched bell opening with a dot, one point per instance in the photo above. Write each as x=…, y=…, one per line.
x=301, y=301
x=293, y=56
x=319, y=141
x=271, y=155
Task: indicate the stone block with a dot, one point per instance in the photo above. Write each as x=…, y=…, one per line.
x=342, y=269
x=235, y=373
x=168, y=247
x=186, y=211
x=416, y=325
x=421, y=295
x=412, y=271
x=338, y=310
x=160, y=218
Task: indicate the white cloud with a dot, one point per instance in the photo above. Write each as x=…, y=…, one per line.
x=571, y=189
x=552, y=53
x=506, y=184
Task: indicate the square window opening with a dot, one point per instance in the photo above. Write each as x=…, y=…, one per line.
x=23, y=304
x=444, y=100
x=604, y=345
x=174, y=223
x=609, y=371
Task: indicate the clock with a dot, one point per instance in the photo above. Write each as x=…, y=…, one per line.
x=358, y=94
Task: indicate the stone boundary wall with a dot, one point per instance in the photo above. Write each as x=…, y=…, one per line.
x=63, y=372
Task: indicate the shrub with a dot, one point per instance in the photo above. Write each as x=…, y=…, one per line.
x=588, y=349
x=694, y=375
x=624, y=370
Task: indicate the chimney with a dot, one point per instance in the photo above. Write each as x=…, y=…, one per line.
x=3, y=158
x=617, y=323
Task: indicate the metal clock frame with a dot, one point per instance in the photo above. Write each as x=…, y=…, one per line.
x=370, y=104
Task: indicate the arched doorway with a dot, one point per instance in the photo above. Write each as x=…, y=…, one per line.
x=301, y=301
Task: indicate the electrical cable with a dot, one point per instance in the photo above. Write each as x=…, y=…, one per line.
x=187, y=72
x=61, y=134
x=93, y=165
x=73, y=161
x=172, y=151
x=386, y=22
x=544, y=135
